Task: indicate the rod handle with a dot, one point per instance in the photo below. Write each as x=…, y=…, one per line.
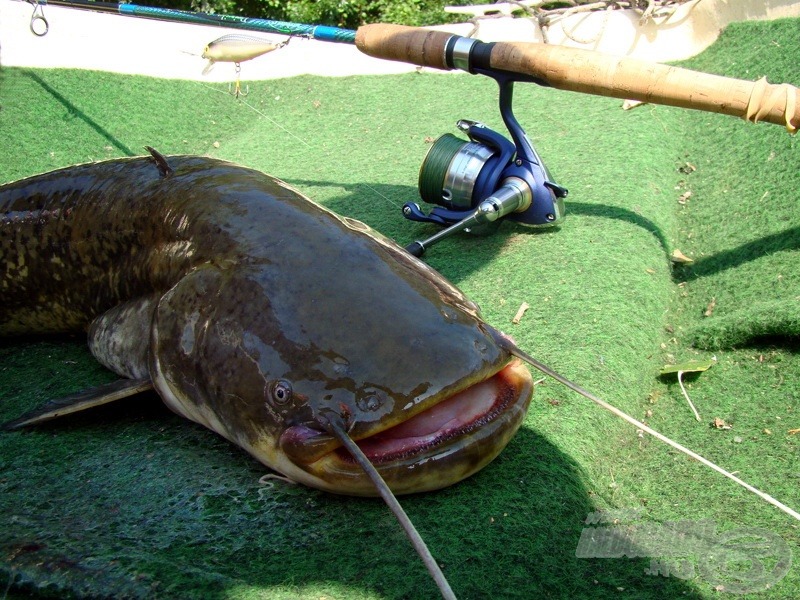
x=590, y=72
x=423, y=47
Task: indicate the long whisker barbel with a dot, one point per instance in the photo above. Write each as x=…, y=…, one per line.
x=337, y=428
x=614, y=410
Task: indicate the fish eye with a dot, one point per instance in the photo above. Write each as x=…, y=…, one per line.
x=281, y=391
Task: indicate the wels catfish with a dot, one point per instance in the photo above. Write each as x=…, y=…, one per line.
x=259, y=314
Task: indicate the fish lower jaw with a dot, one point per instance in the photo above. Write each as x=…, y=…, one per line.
x=437, y=447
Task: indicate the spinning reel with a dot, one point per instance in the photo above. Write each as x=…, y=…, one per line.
x=476, y=183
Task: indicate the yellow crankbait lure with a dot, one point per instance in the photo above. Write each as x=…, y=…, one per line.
x=237, y=48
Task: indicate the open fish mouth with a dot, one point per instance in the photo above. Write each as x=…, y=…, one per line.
x=458, y=415
x=435, y=448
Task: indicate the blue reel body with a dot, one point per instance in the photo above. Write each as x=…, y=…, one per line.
x=458, y=175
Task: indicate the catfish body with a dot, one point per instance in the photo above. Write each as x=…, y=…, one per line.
x=256, y=312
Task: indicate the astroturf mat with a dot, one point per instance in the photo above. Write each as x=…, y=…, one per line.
x=131, y=501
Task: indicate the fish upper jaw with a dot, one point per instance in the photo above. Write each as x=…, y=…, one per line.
x=435, y=448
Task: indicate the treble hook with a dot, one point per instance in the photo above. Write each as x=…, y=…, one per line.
x=237, y=85
x=36, y=16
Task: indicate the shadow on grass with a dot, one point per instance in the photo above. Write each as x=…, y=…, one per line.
x=788, y=239
x=74, y=110
x=457, y=257
x=131, y=500
x=605, y=211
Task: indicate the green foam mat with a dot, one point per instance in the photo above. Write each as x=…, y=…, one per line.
x=130, y=500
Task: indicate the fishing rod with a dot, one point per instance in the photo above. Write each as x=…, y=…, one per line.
x=323, y=33
x=477, y=182
x=560, y=67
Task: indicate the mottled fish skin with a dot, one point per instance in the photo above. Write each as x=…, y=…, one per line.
x=261, y=311
x=67, y=255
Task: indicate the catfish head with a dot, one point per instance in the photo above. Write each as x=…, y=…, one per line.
x=337, y=320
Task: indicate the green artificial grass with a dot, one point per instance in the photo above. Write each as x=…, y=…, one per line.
x=131, y=501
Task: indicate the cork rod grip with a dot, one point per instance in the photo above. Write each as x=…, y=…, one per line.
x=414, y=45
x=627, y=78
x=601, y=74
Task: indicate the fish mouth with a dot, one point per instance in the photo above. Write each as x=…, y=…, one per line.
x=455, y=416
x=435, y=448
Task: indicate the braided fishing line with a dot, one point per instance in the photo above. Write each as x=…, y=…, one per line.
x=299, y=139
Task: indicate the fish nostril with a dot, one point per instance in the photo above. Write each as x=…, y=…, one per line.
x=369, y=403
x=341, y=366
x=449, y=313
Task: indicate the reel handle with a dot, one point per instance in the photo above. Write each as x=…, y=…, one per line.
x=588, y=72
x=514, y=195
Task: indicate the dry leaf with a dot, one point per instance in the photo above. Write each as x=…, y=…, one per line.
x=680, y=258
x=629, y=104
x=768, y=432
x=720, y=424
x=710, y=308
x=521, y=311
x=691, y=366
x=794, y=431
x=684, y=197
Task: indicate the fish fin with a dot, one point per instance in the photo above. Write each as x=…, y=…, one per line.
x=161, y=161
x=84, y=400
x=120, y=337
x=208, y=68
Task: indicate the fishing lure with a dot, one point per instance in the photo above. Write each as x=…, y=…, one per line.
x=238, y=48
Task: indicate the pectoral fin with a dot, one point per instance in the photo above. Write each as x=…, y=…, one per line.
x=120, y=337
x=84, y=400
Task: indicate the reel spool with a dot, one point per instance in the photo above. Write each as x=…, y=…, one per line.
x=475, y=183
x=450, y=171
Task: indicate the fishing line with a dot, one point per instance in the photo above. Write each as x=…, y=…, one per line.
x=282, y=128
x=638, y=424
x=368, y=186
x=261, y=113
x=278, y=125
x=336, y=427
